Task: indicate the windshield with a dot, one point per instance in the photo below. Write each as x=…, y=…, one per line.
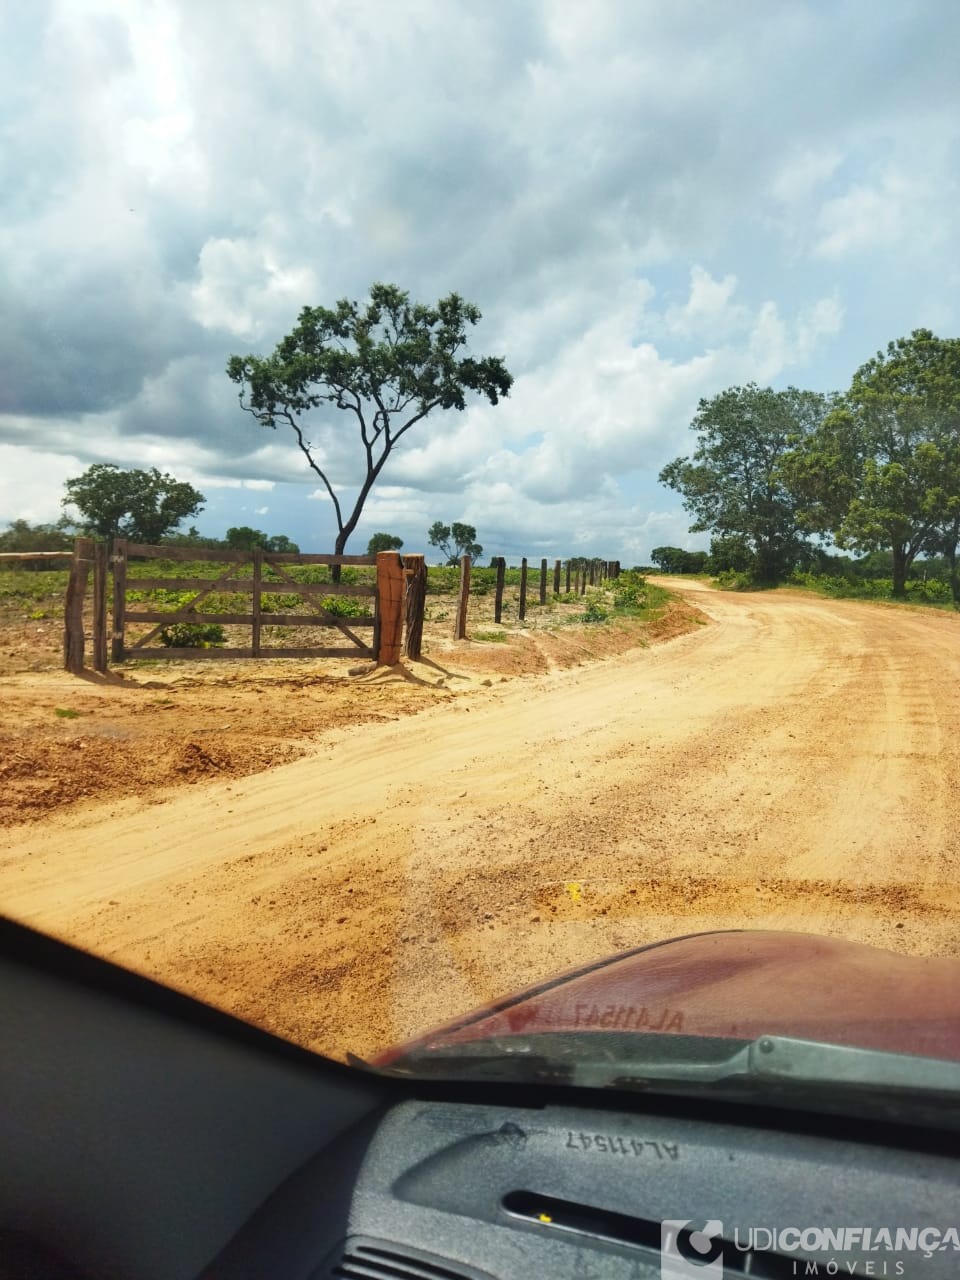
x=480, y=505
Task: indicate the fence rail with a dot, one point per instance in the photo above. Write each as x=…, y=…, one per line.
x=36, y=555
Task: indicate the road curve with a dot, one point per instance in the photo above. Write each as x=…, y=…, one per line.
x=793, y=764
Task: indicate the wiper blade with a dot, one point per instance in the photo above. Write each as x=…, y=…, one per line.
x=685, y=1063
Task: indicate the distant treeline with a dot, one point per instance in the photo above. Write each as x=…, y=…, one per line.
x=21, y=535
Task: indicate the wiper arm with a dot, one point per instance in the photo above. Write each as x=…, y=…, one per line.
x=687, y=1063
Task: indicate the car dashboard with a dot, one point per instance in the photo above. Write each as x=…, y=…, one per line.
x=147, y=1137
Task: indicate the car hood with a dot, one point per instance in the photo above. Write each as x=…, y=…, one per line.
x=738, y=985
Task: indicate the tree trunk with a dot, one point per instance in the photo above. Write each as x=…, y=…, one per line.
x=338, y=546
x=900, y=567
x=954, y=563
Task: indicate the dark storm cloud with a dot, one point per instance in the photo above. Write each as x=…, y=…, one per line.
x=182, y=178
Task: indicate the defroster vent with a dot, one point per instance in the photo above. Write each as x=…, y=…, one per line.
x=362, y=1258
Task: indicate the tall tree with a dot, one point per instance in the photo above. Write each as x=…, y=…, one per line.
x=881, y=472
x=141, y=505
x=946, y=496
x=386, y=365
x=733, y=483
x=455, y=540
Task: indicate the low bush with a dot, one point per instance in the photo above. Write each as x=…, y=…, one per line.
x=192, y=635
x=595, y=612
x=345, y=606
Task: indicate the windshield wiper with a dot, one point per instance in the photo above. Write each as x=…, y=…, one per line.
x=691, y=1064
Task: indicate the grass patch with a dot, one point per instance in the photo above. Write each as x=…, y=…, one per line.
x=490, y=637
x=66, y=713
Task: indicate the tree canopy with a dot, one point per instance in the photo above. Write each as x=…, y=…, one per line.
x=140, y=505
x=21, y=535
x=383, y=542
x=455, y=540
x=882, y=472
x=676, y=560
x=733, y=485
x=385, y=365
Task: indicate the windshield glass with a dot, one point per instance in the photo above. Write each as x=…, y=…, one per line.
x=480, y=506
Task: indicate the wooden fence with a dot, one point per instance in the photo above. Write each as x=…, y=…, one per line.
x=580, y=572
x=270, y=573
x=395, y=626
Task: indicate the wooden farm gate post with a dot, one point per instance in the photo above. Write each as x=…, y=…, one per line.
x=390, y=585
x=415, y=602
x=460, y=629
x=73, y=638
x=498, y=597
x=118, y=560
x=463, y=602
x=101, y=569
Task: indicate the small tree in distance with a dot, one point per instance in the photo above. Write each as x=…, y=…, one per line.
x=141, y=505
x=383, y=542
x=243, y=538
x=455, y=540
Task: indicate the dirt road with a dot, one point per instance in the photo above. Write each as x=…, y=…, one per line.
x=794, y=764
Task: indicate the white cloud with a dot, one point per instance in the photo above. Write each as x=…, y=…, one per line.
x=708, y=312
x=647, y=209
x=803, y=174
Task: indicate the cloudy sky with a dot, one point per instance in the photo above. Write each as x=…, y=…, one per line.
x=649, y=201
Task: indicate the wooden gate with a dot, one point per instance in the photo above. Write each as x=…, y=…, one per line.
x=375, y=637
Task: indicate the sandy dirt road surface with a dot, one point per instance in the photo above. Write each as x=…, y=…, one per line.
x=795, y=764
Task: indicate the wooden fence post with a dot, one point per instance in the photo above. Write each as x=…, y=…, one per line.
x=73, y=638
x=101, y=562
x=568, y=577
x=390, y=582
x=583, y=578
x=119, y=559
x=415, y=601
x=255, y=611
x=522, y=611
x=463, y=602
x=498, y=598
x=556, y=577
x=543, y=581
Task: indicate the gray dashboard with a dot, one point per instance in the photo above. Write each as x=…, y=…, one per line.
x=146, y=1137
x=447, y=1191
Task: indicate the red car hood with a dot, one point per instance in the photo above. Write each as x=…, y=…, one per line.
x=740, y=985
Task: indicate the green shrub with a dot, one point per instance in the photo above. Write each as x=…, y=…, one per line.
x=630, y=591
x=732, y=580
x=595, y=612
x=192, y=635
x=345, y=606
